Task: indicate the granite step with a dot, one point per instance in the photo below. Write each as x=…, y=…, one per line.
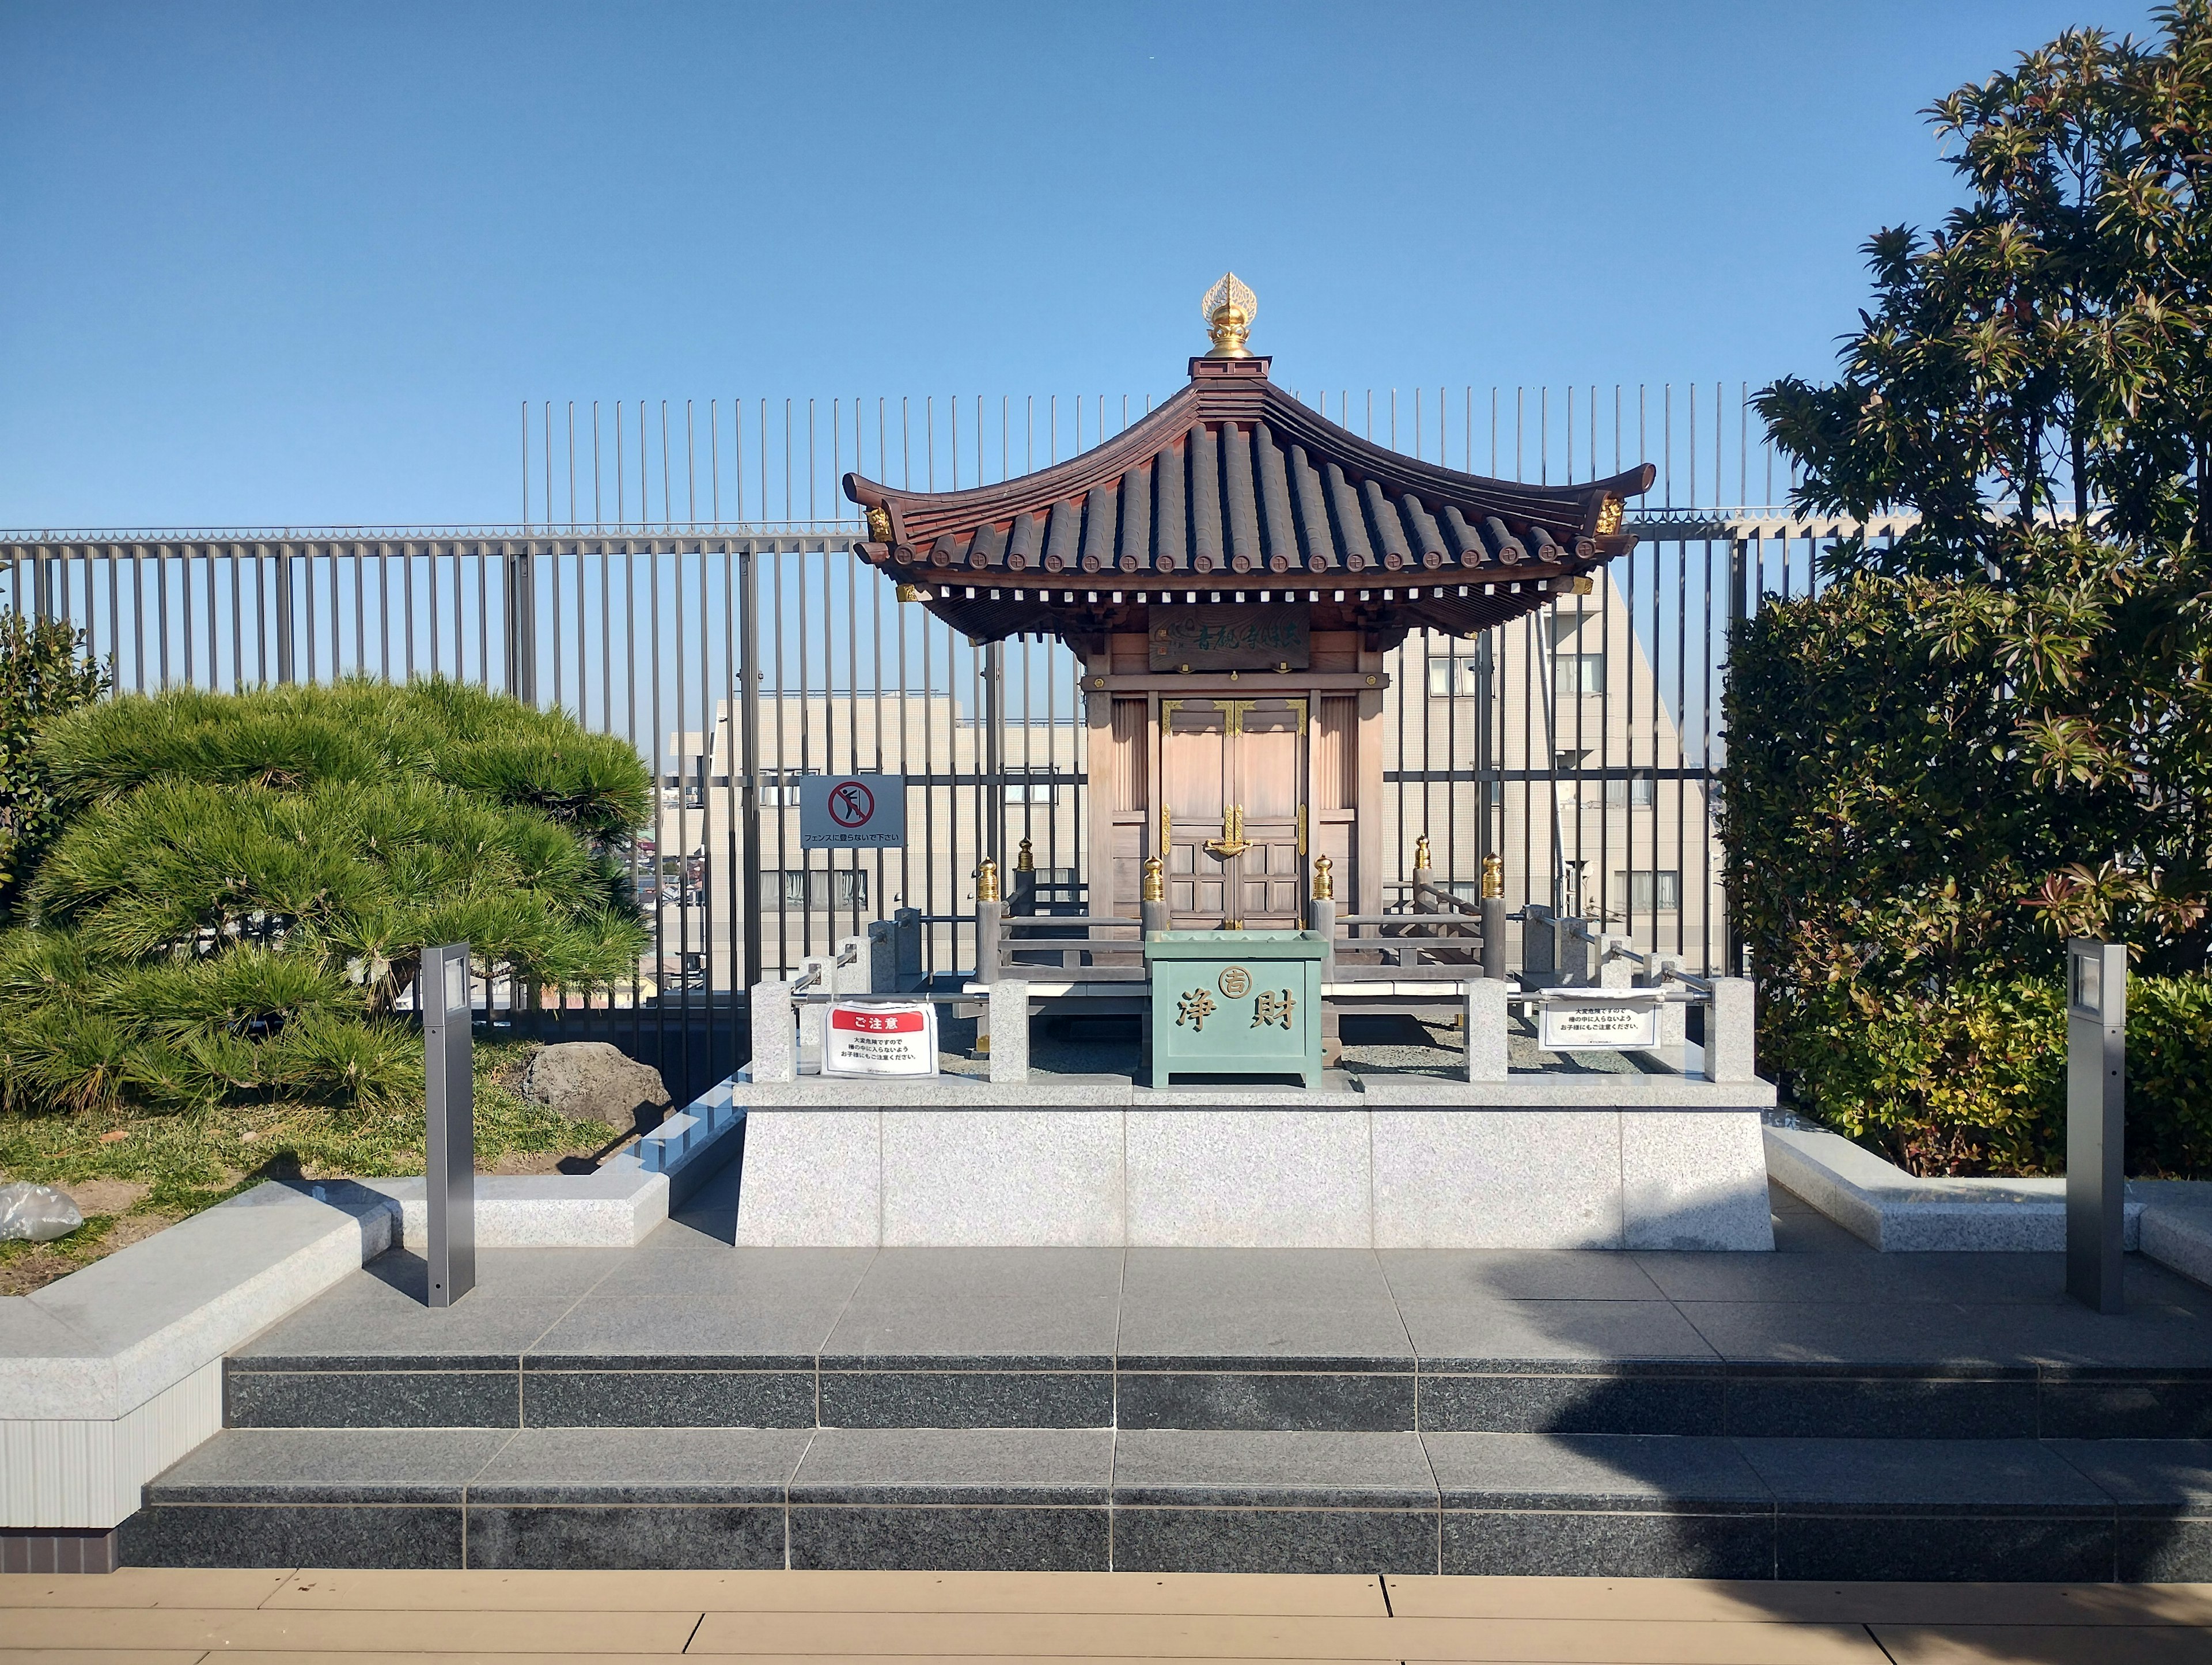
x=1894, y=1398
x=1598, y=1505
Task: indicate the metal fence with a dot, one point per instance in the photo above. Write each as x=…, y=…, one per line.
x=740, y=647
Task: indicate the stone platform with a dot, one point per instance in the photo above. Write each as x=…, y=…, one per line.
x=1592, y=1160
x=1821, y=1412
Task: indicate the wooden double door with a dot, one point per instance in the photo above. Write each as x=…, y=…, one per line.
x=1232, y=814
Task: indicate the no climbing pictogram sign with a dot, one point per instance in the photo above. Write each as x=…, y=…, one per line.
x=843, y=810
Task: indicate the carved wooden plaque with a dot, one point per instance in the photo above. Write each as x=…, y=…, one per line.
x=1253, y=637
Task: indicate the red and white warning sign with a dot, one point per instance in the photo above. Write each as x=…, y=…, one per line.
x=880, y=1038
x=838, y=811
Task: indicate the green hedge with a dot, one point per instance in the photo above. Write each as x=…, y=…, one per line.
x=1973, y=1079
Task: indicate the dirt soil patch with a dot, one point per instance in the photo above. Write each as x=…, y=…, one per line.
x=132, y=1175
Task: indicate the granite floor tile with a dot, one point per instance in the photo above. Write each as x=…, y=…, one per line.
x=1178, y=1467
x=407, y=1535
x=1858, y=1280
x=1277, y=1541
x=373, y=1399
x=1647, y=1400
x=967, y=1398
x=642, y=1466
x=1609, y=1472
x=389, y=1332
x=563, y=1398
x=1803, y=1405
x=1297, y=1306
x=951, y=1538
x=1491, y=1331
x=1000, y=1466
x=1450, y=1274
x=1036, y=1308
x=1903, y=1477
x=1336, y=1402
x=524, y=1276
x=330, y=1466
x=1597, y=1544
x=571, y=1536
x=2162, y=1476
x=688, y=1301
x=1920, y=1334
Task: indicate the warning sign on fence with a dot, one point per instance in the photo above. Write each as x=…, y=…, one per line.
x=840, y=811
x=1598, y=1020
x=880, y=1038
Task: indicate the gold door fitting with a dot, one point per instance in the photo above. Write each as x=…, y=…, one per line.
x=1232, y=840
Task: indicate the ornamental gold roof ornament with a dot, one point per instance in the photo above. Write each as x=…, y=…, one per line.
x=1229, y=309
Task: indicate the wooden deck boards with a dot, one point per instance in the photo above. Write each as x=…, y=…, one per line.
x=308, y=1617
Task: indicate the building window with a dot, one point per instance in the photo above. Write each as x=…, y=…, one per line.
x=1032, y=786
x=1659, y=892
x=780, y=791
x=1577, y=674
x=796, y=889
x=1635, y=793
x=1454, y=676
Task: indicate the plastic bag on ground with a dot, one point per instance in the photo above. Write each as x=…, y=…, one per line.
x=39, y=1213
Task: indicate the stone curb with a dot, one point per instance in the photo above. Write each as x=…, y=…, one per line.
x=1876, y=1201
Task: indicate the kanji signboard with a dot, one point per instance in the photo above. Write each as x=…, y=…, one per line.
x=878, y=1037
x=838, y=811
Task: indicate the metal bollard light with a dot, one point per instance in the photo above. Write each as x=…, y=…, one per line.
x=449, y=1103
x=2096, y=1122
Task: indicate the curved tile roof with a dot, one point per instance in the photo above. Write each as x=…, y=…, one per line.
x=1234, y=482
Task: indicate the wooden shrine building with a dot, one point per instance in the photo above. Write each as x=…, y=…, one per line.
x=1230, y=572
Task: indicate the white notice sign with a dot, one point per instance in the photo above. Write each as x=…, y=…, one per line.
x=842, y=811
x=1598, y=1019
x=880, y=1038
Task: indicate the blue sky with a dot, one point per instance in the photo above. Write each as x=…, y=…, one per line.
x=302, y=264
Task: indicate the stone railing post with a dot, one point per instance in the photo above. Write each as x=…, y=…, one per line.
x=1485, y=1025
x=883, y=956
x=1731, y=1031
x=774, y=1035
x=1009, y=1030
x=906, y=923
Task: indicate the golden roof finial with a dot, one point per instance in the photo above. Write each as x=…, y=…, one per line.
x=1229, y=309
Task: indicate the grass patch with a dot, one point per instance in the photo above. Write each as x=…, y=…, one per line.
x=192, y=1160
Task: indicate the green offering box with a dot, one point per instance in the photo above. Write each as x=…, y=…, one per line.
x=1235, y=1003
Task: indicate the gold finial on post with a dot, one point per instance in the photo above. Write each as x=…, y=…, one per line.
x=1493, y=876
x=1324, y=880
x=986, y=881
x=1421, y=853
x=1155, y=883
x=1229, y=309
x=1025, y=860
